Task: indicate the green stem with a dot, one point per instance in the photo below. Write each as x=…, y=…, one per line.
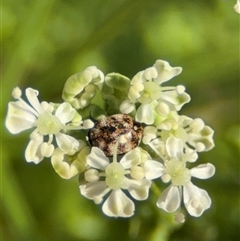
x=155, y=189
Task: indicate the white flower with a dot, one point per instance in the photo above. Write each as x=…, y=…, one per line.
x=116, y=180
x=146, y=89
x=104, y=176
x=47, y=121
x=195, y=135
x=80, y=88
x=68, y=166
x=196, y=200
x=142, y=165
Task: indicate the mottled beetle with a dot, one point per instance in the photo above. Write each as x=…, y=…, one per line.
x=107, y=131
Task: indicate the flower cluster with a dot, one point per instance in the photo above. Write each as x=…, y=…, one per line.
x=120, y=135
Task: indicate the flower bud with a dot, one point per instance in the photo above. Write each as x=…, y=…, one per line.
x=91, y=175
x=137, y=172
x=162, y=109
x=179, y=217
x=16, y=93
x=180, y=89
x=47, y=149
x=197, y=125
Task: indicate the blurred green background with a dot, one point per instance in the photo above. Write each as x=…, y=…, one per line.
x=46, y=41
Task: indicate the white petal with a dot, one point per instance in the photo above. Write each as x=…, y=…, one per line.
x=66, y=142
x=237, y=7
x=65, y=112
x=126, y=107
x=190, y=155
x=153, y=169
x=150, y=73
x=177, y=100
x=97, y=76
x=197, y=125
x=158, y=146
x=64, y=169
x=139, y=189
x=19, y=119
x=149, y=133
x=203, y=138
x=88, y=124
x=165, y=71
x=118, y=205
x=133, y=94
x=33, y=100
x=170, y=199
x=97, y=159
x=138, y=79
x=93, y=189
x=145, y=114
x=196, y=200
x=47, y=149
x=131, y=158
x=174, y=147
x=163, y=109
x=47, y=106
x=203, y=171
x=33, y=151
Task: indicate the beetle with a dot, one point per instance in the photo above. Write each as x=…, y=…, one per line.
x=107, y=132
